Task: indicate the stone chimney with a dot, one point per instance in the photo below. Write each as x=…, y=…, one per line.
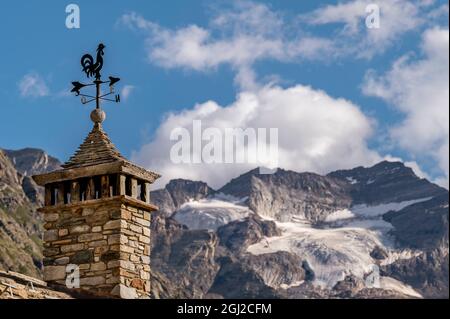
x=97, y=221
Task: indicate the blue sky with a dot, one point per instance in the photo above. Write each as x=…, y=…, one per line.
x=146, y=45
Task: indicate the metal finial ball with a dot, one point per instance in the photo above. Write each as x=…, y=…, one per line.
x=98, y=116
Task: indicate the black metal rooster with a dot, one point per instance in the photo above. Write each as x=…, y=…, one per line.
x=91, y=68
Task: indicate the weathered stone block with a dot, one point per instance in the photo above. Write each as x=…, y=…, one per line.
x=62, y=242
x=51, y=235
x=51, y=217
x=98, y=266
x=101, y=249
x=137, y=283
x=142, y=221
x=113, y=280
x=62, y=261
x=126, y=249
x=124, y=292
x=87, y=211
x=82, y=257
x=144, y=239
x=79, y=229
x=113, y=264
x=71, y=248
x=127, y=265
x=117, y=239
x=54, y=273
x=98, y=218
x=92, y=281
x=98, y=243
x=48, y=252
x=90, y=237
x=96, y=229
x=136, y=228
x=110, y=255
x=112, y=224
x=63, y=232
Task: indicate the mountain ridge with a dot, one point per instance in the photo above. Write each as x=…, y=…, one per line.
x=321, y=205
x=281, y=235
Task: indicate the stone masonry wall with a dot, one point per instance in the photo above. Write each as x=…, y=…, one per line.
x=108, y=240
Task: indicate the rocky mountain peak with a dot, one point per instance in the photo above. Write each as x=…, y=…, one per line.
x=177, y=192
x=397, y=182
x=286, y=195
x=183, y=190
x=31, y=161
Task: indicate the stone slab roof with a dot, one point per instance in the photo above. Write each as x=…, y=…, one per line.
x=96, y=149
x=97, y=155
x=18, y=286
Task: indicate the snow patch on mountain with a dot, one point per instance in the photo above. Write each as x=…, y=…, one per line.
x=331, y=253
x=339, y=215
x=212, y=212
x=339, y=247
x=343, y=245
x=389, y=283
x=381, y=209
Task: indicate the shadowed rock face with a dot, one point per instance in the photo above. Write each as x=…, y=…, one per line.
x=422, y=225
x=32, y=161
x=238, y=235
x=287, y=195
x=182, y=259
x=237, y=279
x=278, y=270
x=189, y=263
x=177, y=192
x=290, y=196
x=427, y=273
x=20, y=224
x=386, y=182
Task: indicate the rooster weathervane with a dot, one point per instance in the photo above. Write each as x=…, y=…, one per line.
x=92, y=69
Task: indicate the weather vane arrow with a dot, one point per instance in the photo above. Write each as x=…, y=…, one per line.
x=92, y=69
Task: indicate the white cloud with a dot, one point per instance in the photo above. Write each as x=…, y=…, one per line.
x=313, y=136
x=126, y=91
x=419, y=88
x=246, y=33
x=316, y=133
x=352, y=35
x=33, y=85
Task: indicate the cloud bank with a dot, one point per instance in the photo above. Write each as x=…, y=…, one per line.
x=316, y=133
x=33, y=85
x=419, y=88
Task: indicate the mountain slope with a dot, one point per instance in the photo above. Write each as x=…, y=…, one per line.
x=381, y=222
x=376, y=232
x=20, y=224
x=288, y=195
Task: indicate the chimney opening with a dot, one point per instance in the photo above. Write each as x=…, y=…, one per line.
x=54, y=194
x=97, y=187
x=112, y=185
x=83, y=186
x=128, y=186
x=66, y=188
